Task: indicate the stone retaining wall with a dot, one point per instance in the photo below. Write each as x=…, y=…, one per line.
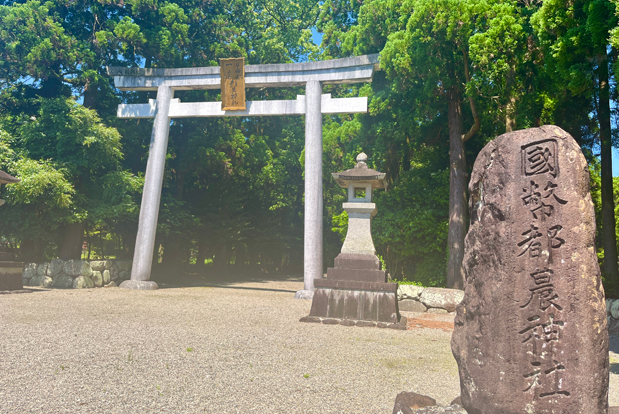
x=413, y=298
x=76, y=274
x=612, y=316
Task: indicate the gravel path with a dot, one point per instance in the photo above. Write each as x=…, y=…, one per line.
x=235, y=348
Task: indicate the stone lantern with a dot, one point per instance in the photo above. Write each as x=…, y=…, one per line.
x=355, y=291
x=10, y=271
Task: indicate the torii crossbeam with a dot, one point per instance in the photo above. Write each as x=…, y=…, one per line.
x=165, y=81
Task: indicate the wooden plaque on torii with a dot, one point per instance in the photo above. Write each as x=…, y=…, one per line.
x=232, y=73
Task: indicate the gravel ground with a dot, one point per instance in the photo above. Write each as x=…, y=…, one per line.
x=228, y=348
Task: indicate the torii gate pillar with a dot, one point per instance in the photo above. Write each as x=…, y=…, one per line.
x=312, y=235
x=313, y=105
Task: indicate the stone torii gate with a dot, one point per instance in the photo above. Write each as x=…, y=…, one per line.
x=312, y=75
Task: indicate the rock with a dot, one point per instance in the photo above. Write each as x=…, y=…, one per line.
x=101, y=265
x=55, y=268
x=139, y=285
x=63, y=281
x=409, y=292
x=124, y=275
x=312, y=319
x=77, y=268
x=106, y=277
x=614, y=309
x=456, y=401
x=446, y=299
x=41, y=281
x=82, y=282
x=450, y=409
x=530, y=334
x=97, y=278
x=25, y=282
x=42, y=269
x=30, y=271
x=301, y=294
x=613, y=410
x=437, y=310
x=613, y=326
x=406, y=402
x=111, y=284
x=409, y=305
x=123, y=265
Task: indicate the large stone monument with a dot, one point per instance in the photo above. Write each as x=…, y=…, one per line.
x=355, y=291
x=10, y=271
x=530, y=334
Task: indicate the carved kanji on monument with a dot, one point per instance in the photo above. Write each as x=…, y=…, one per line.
x=232, y=84
x=530, y=335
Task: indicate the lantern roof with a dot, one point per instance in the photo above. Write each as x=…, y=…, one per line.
x=361, y=173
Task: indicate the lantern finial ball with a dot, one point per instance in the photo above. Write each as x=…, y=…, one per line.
x=362, y=157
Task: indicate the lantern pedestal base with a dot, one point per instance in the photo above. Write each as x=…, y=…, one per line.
x=11, y=275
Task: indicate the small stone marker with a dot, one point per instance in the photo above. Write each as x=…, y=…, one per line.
x=530, y=334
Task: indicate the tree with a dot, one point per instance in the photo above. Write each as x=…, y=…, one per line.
x=575, y=37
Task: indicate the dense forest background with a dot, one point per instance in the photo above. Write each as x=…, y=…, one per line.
x=455, y=74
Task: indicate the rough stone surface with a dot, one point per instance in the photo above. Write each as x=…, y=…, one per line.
x=312, y=319
x=450, y=409
x=42, y=281
x=530, y=335
x=83, y=282
x=123, y=265
x=614, y=309
x=42, y=269
x=409, y=305
x=437, y=310
x=106, y=277
x=409, y=292
x=63, y=282
x=99, y=265
x=304, y=294
x=97, y=278
x=446, y=299
x=139, y=285
x=77, y=268
x=30, y=270
x=111, y=284
x=55, y=267
x=406, y=402
x=613, y=326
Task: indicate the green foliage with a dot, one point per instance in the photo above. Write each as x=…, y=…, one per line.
x=233, y=188
x=411, y=229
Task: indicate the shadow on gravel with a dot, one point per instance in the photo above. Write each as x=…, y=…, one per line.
x=227, y=279
x=25, y=290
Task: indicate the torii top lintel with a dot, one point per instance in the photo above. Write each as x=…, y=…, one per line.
x=348, y=70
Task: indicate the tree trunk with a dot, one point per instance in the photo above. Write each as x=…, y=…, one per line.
x=609, y=238
x=510, y=108
x=31, y=251
x=458, y=208
x=201, y=255
x=72, y=242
